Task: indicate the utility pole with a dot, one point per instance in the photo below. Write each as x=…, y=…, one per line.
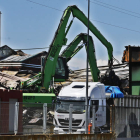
x=86, y=120
x=0, y=28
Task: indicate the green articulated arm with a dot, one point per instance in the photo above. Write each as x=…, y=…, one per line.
x=60, y=40
x=69, y=53
x=71, y=50
x=32, y=81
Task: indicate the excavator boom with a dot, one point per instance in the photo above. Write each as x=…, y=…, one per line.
x=72, y=49
x=60, y=40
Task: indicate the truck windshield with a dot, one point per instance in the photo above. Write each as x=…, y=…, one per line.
x=63, y=106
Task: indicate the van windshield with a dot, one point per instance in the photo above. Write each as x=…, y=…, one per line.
x=63, y=106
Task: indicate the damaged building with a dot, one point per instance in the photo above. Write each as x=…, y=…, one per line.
x=18, y=66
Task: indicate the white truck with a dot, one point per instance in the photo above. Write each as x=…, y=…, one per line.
x=75, y=94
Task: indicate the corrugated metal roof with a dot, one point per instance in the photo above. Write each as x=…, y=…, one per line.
x=121, y=70
x=15, y=58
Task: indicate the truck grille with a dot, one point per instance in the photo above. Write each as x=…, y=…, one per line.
x=65, y=129
x=66, y=122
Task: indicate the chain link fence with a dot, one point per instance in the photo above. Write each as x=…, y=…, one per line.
x=37, y=118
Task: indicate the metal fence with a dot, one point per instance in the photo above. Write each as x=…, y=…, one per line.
x=31, y=118
x=127, y=122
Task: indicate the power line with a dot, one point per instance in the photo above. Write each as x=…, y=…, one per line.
x=116, y=26
x=28, y=48
x=91, y=2
x=117, y=7
x=36, y=48
x=44, y=5
x=94, y=20
x=94, y=3
x=32, y=48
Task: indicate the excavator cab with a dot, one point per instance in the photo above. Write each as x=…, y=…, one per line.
x=61, y=71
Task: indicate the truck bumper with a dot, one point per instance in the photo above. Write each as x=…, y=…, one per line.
x=58, y=130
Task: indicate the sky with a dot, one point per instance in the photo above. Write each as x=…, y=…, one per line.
x=32, y=24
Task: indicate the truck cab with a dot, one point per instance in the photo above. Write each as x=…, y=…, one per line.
x=75, y=94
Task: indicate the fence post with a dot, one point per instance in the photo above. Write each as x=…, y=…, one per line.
x=128, y=109
x=70, y=118
x=44, y=117
x=93, y=119
x=137, y=105
x=16, y=117
x=111, y=117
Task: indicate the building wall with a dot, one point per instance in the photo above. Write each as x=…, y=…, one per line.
x=6, y=115
x=6, y=51
x=36, y=59
x=32, y=63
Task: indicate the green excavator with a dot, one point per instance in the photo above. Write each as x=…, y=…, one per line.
x=55, y=66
